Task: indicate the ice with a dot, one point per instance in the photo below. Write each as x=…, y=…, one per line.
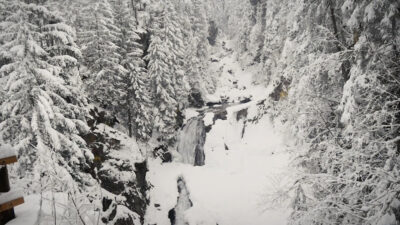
x=191, y=141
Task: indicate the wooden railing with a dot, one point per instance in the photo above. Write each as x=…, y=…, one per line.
x=8, y=198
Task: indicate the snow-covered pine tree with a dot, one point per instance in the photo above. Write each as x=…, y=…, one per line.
x=41, y=114
x=347, y=132
x=134, y=84
x=101, y=55
x=175, y=43
x=162, y=77
x=198, y=51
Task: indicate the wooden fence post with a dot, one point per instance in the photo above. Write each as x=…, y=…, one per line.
x=8, y=199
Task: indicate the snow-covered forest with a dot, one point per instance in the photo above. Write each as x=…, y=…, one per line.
x=200, y=112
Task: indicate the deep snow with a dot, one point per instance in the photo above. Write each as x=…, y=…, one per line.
x=244, y=185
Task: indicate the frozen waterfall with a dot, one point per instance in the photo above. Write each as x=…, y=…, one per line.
x=191, y=142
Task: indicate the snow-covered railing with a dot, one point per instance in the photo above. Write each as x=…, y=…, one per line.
x=8, y=199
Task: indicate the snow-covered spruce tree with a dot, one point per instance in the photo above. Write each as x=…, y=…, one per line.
x=198, y=57
x=101, y=55
x=162, y=75
x=338, y=61
x=350, y=141
x=134, y=103
x=41, y=113
x=370, y=116
x=174, y=41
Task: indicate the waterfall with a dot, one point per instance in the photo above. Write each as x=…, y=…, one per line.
x=191, y=142
x=176, y=215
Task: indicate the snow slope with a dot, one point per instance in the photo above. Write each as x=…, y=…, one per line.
x=244, y=185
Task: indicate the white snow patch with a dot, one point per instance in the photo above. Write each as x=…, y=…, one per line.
x=208, y=119
x=10, y=196
x=50, y=208
x=6, y=151
x=190, y=113
x=27, y=213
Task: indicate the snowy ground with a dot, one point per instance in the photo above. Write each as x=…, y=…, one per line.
x=39, y=209
x=240, y=186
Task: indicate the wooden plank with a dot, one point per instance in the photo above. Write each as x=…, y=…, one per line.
x=7, y=216
x=8, y=160
x=5, y=184
x=11, y=204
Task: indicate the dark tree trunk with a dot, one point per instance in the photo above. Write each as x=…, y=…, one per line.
x=345, y=67
x=130, y=128
x=4, y=183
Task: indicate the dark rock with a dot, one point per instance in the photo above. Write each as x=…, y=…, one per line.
x=212, y=104
x=245, y=100
x=172, y=216
x=214, y=60
x=140, y=172
x=212, y=33
x=261, y=103
x=220, y=115
x=280, y=87
x=109, y=182
x=242, y=114
x=106, y=204
x=195, y=99
x=226, y=147
x=163, y=153
x=167, y=157
x=208, y=128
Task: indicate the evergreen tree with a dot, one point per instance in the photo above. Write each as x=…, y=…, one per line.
x=101, y=55
x=198, y=51
x=162, y=77
x=42, y=115
x=133, y=84
x=173, y=36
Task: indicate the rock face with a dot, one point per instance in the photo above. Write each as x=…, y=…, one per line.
x=191, y=142
x=116, y=156
x=176, y=215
